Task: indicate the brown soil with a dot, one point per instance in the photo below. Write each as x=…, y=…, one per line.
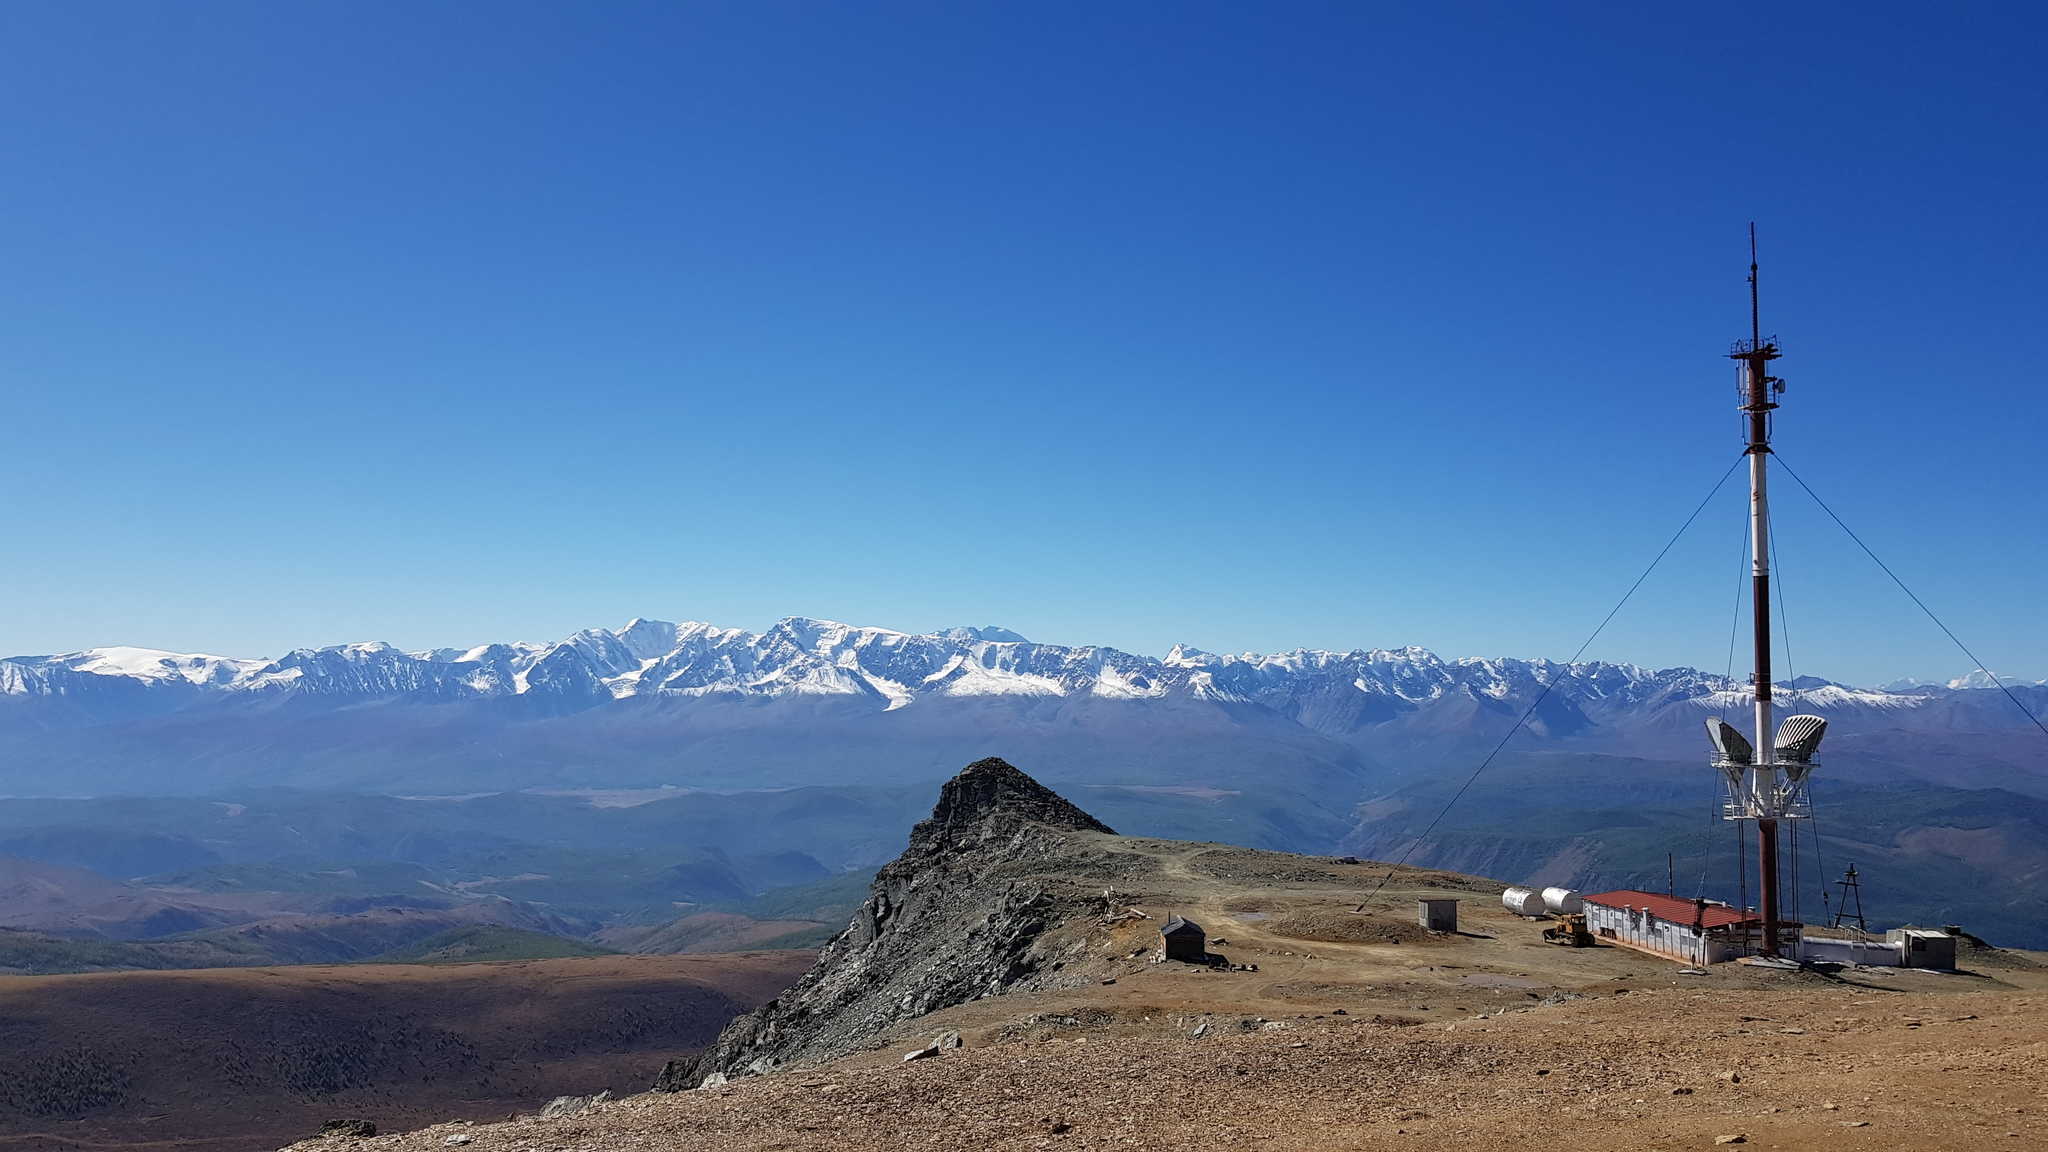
x=251, y=1058
x=1833, y=1066
x=706, y=932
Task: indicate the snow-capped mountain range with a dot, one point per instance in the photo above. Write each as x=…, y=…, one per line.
x=810, y=702
x=799, y=656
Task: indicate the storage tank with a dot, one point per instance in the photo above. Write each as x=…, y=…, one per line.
x=1563, y=900
x=1522, y=901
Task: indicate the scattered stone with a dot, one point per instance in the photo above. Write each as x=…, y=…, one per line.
x=459, y=1139
x=1061, y=1126
x=1855, y=1123
x=715, y=1080
x=1681, y=1091
x=925, y=1053
x=1793, y=1031
x=1110, y=980
x=1201, y=1028
x=948, y=1040
x=1830, y=1107
x=1340, y=1012
x=1738, y=1138
x=1731, y=1077
x=348, y=1128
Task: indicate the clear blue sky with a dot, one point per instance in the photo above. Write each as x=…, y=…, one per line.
x=1248, y=326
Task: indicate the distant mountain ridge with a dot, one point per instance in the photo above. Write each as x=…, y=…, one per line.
x=1284, y=743
x=801, y=656
x=811, y=736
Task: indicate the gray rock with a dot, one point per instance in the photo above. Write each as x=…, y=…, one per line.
x=960, y=915
x=348, y=1128
x=948, y=1040
x=571, y=1105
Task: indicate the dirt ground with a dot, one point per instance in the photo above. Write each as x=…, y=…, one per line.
x=1357, y=1031
x=1650, y=1070
x=241, y=1059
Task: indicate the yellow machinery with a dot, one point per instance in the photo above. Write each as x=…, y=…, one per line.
x=1570, y=931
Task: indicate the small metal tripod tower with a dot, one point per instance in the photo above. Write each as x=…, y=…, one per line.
x=1850, y=888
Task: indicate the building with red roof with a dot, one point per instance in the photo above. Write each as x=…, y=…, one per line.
x=1697, y=932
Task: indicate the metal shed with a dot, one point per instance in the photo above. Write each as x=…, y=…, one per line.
x=1437, y=914
x=1181, y=939
x=1923, y=947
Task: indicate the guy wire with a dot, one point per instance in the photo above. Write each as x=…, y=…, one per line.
x=1541, y=696
x=2028, y=712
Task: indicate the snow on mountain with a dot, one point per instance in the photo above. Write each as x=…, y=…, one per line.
x=151, y=664
x=802, y=656
x=1979, y=678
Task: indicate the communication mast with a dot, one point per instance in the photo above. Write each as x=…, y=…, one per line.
x=1767, y=779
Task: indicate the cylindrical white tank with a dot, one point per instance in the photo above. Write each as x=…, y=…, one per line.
x=1522, y=901
x=1563, y=900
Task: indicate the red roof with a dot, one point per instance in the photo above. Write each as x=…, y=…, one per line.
x=1670, y=908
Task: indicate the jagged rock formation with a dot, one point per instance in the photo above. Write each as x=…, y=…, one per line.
x=972, y=908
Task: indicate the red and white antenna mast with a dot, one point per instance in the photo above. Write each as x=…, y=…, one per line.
x=1767, y=779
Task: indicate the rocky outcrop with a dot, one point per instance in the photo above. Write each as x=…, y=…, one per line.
x=974, y=907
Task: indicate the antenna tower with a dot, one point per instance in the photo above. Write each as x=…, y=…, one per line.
x=1850, y=888
x=1767, y=778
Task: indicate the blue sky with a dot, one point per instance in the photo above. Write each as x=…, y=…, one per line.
x=1250, y=327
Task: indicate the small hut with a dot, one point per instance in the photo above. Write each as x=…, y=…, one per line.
x=1181, y=939
x=1437, y=915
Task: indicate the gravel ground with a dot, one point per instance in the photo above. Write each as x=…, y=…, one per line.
x=1841, y=1068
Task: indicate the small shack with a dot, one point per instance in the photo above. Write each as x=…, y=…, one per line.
x=1923, y=948
x=1439, y=914
x=1181, y=939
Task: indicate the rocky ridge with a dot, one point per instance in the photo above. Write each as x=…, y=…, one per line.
x=969, y=910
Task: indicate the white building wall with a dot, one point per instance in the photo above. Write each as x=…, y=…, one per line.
x=1871, y=953
x=1639, y=929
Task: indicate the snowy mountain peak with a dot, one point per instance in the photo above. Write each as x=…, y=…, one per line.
x=991, y=633
x=804, y=656
x=151, y=664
